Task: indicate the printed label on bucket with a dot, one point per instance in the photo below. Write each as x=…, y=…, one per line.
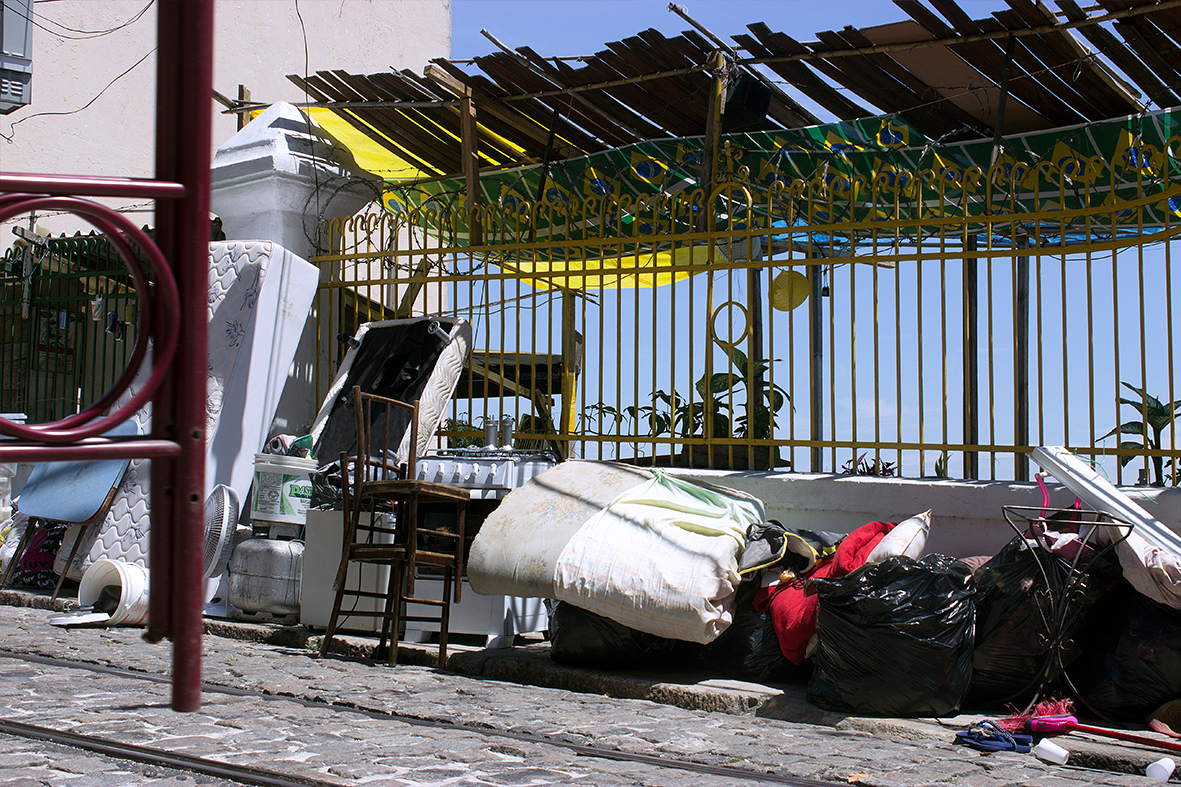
x=280, y=494
x=297, y=494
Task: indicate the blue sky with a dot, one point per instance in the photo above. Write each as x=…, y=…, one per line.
x=559, y=28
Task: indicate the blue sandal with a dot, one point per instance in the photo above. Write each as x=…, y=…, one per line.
x=988, y=736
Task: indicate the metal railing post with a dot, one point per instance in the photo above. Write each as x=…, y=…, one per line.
x=1021, y=363
x=183, y=154
x=971, y=361
x=816, y=369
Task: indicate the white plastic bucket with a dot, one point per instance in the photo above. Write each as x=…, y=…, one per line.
x=132, y=581
x=282, y=488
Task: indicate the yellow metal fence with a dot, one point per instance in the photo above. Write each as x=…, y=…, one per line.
x=910, y=325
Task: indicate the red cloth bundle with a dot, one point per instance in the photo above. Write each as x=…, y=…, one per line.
x=793, y=613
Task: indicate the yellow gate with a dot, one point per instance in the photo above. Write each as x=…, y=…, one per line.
x=939, y=322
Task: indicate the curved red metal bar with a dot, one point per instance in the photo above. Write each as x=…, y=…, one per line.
x=163, y=305
x=172, y=317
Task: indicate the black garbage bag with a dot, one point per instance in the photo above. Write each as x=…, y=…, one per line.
x=328, y=490
x=748, y=649
x=1016, y=626
x=1131, y=656
x=581, y=638
x=1012, y=623
x=895, y=638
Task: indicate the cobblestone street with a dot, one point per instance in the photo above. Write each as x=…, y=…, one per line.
x=372, y=729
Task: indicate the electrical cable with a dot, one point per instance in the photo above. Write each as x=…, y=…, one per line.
x=85, y=35
x=315, y=244
x=11, y=135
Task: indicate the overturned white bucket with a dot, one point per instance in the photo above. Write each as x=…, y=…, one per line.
x=117, y=588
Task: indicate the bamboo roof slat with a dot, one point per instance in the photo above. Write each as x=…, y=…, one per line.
x=622, y=115
x=510, y=73
x=800, y=75
x=938, y=70
x=1107, y=43
x=1075, y=69
x=927, y=98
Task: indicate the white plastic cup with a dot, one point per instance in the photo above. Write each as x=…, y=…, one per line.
x=1051, y=752
x=1160, y=770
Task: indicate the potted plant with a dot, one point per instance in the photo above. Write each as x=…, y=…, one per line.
x=725, y=403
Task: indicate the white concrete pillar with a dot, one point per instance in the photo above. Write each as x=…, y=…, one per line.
x=278, y=177
x=276, y=180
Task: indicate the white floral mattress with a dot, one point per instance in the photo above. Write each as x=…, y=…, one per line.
x=260, y=296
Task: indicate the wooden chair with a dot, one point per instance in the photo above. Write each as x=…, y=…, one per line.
x=375, y=474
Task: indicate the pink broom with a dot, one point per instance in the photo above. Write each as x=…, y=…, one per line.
x=1056, y=717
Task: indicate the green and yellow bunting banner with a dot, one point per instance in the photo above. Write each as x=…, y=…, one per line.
x=835, y=185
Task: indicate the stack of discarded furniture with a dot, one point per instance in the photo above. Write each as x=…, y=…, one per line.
x=373, y=476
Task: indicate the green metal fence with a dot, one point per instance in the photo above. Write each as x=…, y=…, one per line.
x=68, y=317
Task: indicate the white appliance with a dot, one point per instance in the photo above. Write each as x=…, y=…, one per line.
x=323, y=537
x=491, y=473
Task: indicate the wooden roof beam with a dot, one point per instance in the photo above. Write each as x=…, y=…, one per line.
x=987, y=57
x=1062, y=52
x=602, y=104
x=1036, y=71
x=494, y=151
x=1106, y=42
x=799, y=75
x=398, y=128
x=518, y=126
x=508, y=72
x=802, y=117
x=936, y=101
x=369, y=130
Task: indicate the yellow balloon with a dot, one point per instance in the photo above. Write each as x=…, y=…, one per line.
x=789, y=289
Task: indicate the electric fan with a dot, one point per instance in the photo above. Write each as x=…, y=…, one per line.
x=221, y=523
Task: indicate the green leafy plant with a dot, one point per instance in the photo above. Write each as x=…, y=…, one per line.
x=861, y=466
x=941, y=466
x=723, y=401
x=460, y=441
x=1152, y=418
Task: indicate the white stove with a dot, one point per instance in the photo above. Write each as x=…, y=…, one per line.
x=491, y=473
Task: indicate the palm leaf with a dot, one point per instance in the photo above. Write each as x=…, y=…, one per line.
x=1153, y=404
x=1131, y=427
x=1126, y=458
x=738, y=358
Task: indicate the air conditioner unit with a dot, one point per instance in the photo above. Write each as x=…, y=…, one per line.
x=16, y=55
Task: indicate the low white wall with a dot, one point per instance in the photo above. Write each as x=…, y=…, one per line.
x=966, y=516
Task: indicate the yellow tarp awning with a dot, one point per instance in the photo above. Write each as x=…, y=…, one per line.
x=368, y=153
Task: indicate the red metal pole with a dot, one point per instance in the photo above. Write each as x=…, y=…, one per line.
x=184, y=117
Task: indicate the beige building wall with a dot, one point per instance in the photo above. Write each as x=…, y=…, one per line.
x=94, y=75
